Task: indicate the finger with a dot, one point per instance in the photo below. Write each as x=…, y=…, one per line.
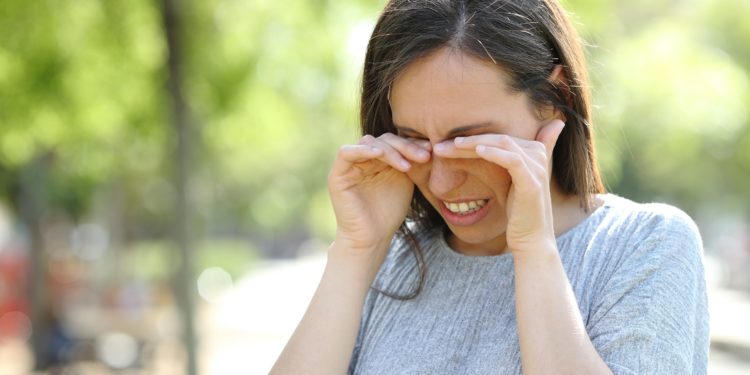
x=366, y=139
x=495, y=140
x=413, y=150
x=465, y=147
x=532, y=149
x=391, y=155
x=549, y=134
x=396, y=150
x=352, y=154
x=489, y=139
x=423, y=143
x=448, y=149
x=513, y=162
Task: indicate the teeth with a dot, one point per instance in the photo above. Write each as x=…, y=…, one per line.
x=465, y=207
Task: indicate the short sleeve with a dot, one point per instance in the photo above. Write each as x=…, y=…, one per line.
x=651, y=316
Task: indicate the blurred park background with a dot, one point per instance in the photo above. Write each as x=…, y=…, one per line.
x=163, y=207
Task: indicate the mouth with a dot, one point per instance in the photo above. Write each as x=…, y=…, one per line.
x=464, y=213
x=465, y=208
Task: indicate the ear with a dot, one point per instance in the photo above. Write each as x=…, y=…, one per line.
x=557, y=76
x=559, y=79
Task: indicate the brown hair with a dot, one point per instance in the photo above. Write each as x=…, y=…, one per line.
x=525, y=38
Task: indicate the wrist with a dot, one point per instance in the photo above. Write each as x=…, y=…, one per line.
x=357, y=262
x=346, y=244
x=541, y=252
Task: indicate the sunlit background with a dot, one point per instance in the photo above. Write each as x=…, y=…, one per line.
x=163, y=207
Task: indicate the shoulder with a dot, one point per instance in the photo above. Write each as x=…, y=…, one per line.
x=649, y=220
x=648, y=293
x=647, y=231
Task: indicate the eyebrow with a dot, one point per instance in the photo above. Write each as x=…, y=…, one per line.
x=452, y=133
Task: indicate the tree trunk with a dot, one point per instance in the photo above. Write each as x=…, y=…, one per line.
x=31, y=208
x=184, y=283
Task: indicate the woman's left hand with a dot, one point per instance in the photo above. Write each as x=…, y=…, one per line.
x=529, y=163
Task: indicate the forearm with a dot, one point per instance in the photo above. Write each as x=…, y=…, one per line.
x=551, y=332
x=324, y=339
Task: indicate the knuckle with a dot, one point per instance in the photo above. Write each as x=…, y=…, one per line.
x=540, y=155
x=366, y=139
x=539, y=169
x=500, y=140
x=387, y=136
x=413, y=147
x=503, y=140
x=539, y=146
x=515, y=160
x=535, y=186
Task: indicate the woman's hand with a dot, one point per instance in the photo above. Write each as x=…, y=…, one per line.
x=370, y=191
x=529, y=206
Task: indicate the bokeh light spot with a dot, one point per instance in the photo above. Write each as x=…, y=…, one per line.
x=212, y=283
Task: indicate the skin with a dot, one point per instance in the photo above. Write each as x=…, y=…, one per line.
x=484, y=137
x=506, y=160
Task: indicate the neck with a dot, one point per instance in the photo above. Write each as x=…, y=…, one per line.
x=567, y=210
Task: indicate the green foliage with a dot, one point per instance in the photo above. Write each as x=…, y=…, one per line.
x=672, y=106
x=273, y=88
x=276, y=96
x=78, y=81
x=235, y=257
x=155, y=261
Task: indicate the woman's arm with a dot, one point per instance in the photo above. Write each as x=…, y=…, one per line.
x=550, y=327
x=324, y=340
x=370, y=194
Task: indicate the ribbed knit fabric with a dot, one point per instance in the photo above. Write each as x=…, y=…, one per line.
x=636, y=270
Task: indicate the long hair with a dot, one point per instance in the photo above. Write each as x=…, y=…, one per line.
x=527, y=39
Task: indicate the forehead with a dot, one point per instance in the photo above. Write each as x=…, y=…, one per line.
x=449, y=89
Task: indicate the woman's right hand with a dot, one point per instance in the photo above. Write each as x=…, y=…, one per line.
x=370, y=191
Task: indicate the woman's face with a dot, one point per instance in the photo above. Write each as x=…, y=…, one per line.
x=449, y=94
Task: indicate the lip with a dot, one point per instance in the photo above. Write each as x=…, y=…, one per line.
x=467, y=219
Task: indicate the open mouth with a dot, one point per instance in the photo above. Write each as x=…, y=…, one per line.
x=465, y=208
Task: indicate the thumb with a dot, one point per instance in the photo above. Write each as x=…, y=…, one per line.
x=548, y=135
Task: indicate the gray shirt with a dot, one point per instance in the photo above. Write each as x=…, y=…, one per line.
x=637, y=274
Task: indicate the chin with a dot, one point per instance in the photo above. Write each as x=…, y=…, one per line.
x=478, y=236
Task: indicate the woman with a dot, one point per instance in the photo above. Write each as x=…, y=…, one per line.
x=508, y=256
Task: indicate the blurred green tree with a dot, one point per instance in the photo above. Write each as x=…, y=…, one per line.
x=78, y=85
x=274, y=88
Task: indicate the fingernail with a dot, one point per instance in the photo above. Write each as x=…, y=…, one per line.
x=481, y=148
x=405, y=164
x=440, y=147
x=459, y=139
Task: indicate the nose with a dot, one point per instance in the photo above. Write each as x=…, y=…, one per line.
x=444, y=176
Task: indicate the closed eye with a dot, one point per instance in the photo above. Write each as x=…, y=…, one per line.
x=461, y=131
x=411, y=136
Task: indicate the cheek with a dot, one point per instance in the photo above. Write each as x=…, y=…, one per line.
x=493, y=176
x=419, y=174
x=482, y=172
